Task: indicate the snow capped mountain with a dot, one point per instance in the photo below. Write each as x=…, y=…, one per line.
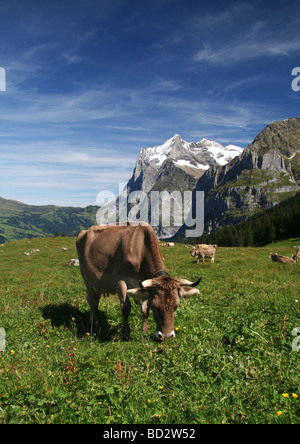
x=193, y=157
x=176, y=165
x=218, y=153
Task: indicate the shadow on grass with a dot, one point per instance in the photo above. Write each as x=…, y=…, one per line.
x=69, y=316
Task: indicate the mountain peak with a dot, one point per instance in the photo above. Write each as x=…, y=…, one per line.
x=176, y=136
x=282, y=136
x=189, y=158
x=198, y=155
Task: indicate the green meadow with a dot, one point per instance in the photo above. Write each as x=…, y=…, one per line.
x=234, y=358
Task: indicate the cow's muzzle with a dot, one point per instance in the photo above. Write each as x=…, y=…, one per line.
x=159, y=335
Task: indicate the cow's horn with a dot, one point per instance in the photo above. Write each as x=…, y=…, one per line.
x=189, y=283
x=146, y=284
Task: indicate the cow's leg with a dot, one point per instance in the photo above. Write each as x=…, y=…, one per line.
x=145, y=315
x=93, y=300
x=125, y=309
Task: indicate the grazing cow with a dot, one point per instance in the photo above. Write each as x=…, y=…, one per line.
x=296, y=257
x=73, y=263
x=204, y=251
x=282, y=259
x=205, y=245
x=127, y=260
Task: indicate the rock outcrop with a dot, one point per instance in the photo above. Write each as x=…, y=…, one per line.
x=267, y=172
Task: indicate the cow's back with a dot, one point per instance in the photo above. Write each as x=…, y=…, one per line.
x=108, y=252
x=208, y=251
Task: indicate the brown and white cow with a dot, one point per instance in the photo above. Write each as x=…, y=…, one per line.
x=297, y=255
x=204, y=251
x=127, y=260
x=282, y=259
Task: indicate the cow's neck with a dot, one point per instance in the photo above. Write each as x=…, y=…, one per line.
x=154, y=259
x=160, y=273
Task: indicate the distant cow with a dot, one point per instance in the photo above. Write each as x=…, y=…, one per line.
x=205, y=245
x=296, y=257
x=127, y=260
x=204, y=251
x=73, y=263
x=282, y=259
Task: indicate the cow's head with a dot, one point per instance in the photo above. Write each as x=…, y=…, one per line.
x=163, y=295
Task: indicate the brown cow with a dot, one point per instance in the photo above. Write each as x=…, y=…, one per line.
x=283, y=259
x=115, y=258
x=204, y=251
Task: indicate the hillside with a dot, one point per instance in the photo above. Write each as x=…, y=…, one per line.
x=265, y=174
x=277, y=223
x=19, y=221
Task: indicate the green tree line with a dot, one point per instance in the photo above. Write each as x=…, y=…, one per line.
x=278, y=223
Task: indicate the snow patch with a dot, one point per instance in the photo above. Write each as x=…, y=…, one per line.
x=187, y=163
x=202, y=155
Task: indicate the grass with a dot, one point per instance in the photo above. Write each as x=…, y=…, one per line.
x=230, y=362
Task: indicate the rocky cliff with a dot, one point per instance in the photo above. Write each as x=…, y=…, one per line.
x=266, y=172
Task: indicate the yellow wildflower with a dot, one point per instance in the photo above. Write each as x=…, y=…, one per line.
x=285, y=395
x=294, y=395
x=161, y=387
x=279, y=413
x=48, y=346
x=12, y=352
x=148, y=400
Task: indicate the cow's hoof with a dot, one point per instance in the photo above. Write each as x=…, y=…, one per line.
x=125, y=334
x=125, y=338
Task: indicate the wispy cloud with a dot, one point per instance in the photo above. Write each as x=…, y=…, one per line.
x=241, y=51
x=246, y=37
x=88, y=85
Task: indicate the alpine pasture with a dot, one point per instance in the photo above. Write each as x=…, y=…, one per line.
x=234, y=358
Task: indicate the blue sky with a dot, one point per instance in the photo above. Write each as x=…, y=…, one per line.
x=91, y=82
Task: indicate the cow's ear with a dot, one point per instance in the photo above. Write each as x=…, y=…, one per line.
x=187, y=292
